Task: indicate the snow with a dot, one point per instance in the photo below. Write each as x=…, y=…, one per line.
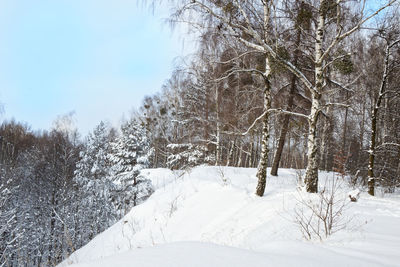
x=210, y=216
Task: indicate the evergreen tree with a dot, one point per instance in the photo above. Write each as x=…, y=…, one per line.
x=129, y=154
x=95, y=209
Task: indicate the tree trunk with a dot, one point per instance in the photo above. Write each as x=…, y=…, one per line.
x=251, y=155
x=288, y=157
x=230, y=155
x=311, y=176
x=262, y=165
x=281, y=143
x=398, y=162
x=326, y=141
x=256, y=149
x=218, y=141
x=239, y=162
x=52, y=241
x=361, y=135
x=371, y=151
x=371, y=158
x=344, y=134
x=286, y=118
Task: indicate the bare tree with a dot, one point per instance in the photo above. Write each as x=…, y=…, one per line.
x=391, y=40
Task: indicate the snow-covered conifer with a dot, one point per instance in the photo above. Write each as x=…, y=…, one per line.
x=129, y=154
x=92, y=175
x=182, y=156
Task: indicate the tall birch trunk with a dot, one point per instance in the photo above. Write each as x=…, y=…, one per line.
x=262, y=165
x=230, y=155
x=311, y=176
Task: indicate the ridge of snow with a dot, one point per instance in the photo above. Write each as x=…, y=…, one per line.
x=189, y=210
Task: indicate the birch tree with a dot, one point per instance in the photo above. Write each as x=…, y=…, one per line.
x=324, y=45
x=390, y=43
x=236, y=19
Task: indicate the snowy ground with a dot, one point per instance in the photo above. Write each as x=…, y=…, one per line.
x=211, y=217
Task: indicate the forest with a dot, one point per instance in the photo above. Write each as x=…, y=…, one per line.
x=309, y=85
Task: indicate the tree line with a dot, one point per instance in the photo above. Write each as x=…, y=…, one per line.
x=58, y=192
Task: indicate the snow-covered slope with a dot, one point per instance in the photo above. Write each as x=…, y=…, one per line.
x=211, y=217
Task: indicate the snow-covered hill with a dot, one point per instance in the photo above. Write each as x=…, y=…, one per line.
x=211, y=217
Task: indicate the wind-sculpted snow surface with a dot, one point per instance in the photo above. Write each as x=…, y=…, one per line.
x=210, y=216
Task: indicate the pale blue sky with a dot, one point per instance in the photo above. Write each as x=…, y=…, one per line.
x=98, y=58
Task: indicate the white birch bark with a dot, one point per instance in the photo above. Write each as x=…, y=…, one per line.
x=263, y=163
x=311, y=176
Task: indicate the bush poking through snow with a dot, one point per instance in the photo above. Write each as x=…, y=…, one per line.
x=225, y=180
x=173, y=206
x=321, y=215
x=354, y=195
x=129, y=229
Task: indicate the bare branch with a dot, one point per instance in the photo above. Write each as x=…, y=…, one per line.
x=278, y=110
x=238, y=57
x=388, y=144
x=341, y=36
x=337, y=104
x=251, y=126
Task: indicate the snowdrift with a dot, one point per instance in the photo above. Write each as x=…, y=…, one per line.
x=210, y=216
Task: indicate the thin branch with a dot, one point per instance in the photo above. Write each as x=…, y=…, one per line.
x=238, y=57
x=337, y=104
x=278, y=110
x=251, y=126
x=388, y=144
